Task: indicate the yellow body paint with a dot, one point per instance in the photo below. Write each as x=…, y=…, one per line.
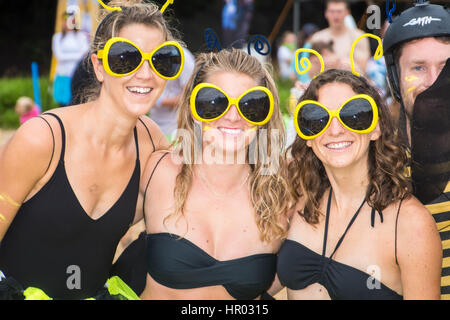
x=8, y=199
x=411, y=89
x=2, y=218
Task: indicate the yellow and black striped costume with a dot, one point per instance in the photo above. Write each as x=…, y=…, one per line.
x=440, y=209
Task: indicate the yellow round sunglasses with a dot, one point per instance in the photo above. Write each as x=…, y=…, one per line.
x=121, y=57
x=209, y=102
x=358, y=114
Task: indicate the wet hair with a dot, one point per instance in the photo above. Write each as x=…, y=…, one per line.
x=133, y=12
x=388, y=181
x=269, y=193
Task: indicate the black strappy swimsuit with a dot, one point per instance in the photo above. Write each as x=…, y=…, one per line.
x=298, y=267
x=52, y=236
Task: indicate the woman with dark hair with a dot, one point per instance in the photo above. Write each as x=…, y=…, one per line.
x=356, y=231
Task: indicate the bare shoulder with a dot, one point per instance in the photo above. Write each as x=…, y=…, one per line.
x=417, y=232
x=162, y=168
x=34, y=137
x=156, y=135
x=322, y=35
x=415, y=216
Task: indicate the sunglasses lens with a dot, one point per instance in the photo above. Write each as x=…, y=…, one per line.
x=167, y=61
x=210, y=103
x=123, y=58
x=255, y=105
x=312, y=119
x=357, y=114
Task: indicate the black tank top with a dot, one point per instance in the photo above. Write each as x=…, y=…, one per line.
x=52, y=244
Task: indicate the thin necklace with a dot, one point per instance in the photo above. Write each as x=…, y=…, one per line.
x=211, y=188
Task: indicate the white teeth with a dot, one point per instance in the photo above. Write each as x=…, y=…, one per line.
x=140, y=90
x=339, y=145
x=230, y=131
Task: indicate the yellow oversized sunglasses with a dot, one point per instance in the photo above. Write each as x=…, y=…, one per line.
x=209, y=103
x=121, y=57
x=358, y=114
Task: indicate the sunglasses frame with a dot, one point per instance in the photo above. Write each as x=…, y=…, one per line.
x=231, y=101
x=335, y=113
x=104, y=53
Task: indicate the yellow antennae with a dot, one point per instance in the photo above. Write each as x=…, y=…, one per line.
x=108, y=7
x=378, y=52
x=306, y=63
x=164, y=7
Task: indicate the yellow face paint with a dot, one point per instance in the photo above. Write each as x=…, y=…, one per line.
x=411, y=78
x=2, y=218
x=206, y=128
x=253, y=129
x=8, y=199
x=411, y=89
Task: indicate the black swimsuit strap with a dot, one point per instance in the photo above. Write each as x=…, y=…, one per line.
x=63, y=134
x=148, y=182
x=137, y=144
x=346, y=230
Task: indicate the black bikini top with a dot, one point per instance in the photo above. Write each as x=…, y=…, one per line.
x=177, y=263
x=298, y=267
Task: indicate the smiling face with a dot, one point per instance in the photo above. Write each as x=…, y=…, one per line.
x=339, y=147
x=230, y=133
x=135, y=94
x=421, y=62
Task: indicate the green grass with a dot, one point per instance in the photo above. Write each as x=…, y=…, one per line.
x=284, y=91
x=13, y=88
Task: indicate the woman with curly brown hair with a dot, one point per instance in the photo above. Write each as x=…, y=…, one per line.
x=215, y=215
x=356, y=231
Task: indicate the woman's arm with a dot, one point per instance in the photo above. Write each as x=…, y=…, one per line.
x=23, y=162
x=276, y=287
x=419, y=252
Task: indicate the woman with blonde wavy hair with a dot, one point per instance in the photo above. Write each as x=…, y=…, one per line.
x=356, y=231
x=214, y=210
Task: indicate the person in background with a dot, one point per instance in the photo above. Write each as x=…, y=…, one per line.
x=69, y=47
x=164, y=113
x=26, y=109
x=342, y=36
x=245, y=10
x=230, y=17
x=376, y=71
x=304, y=41
x=285, y=54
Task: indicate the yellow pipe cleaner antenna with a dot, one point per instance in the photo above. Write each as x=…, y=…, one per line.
x=378, y=52
x=164, y=7
x=108, y=7
x=306, y=63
